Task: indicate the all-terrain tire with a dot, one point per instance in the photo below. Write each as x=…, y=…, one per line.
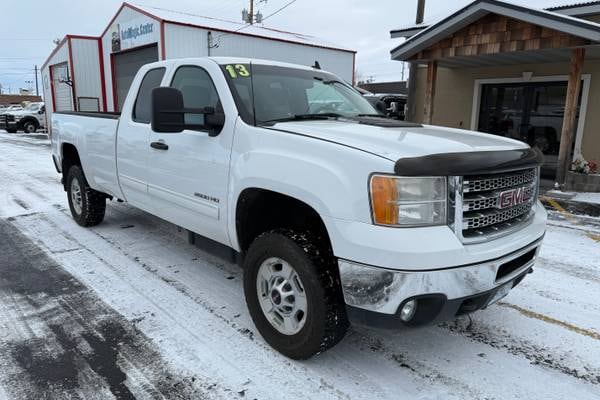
x=326, y=321
x=87, y=208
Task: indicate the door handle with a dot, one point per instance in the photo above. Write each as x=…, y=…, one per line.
x=159, y=146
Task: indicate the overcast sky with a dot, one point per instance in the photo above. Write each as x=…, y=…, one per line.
x=29, y=26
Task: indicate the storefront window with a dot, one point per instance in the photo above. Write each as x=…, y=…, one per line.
x=530, y=112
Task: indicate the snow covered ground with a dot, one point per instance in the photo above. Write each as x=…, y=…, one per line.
x=129, y=310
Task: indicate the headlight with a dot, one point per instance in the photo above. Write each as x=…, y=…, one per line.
x=408, y=201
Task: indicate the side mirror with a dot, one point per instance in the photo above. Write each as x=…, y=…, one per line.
x=380, y=106
x=167, y=110
x=214, y=121
x=169, y=113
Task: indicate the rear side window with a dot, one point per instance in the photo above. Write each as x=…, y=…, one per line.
x=142, y=111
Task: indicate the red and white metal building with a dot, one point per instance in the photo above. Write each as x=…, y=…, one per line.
x=86, y=73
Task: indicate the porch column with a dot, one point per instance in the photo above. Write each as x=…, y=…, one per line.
x=572, y=101
x=432, y=67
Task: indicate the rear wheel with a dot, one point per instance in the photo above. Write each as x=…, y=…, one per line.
x=30, y=126
x=11, y=130
x=87, y=205
x=294, y=294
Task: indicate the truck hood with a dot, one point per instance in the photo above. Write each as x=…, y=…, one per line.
x=395, y=143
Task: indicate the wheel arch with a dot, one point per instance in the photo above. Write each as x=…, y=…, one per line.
x=69, y=157
x=260, y=210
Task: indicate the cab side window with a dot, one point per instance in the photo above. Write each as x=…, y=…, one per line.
x=142, y=110
x=198, y=91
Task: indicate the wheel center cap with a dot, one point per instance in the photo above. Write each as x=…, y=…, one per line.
x=276, y=297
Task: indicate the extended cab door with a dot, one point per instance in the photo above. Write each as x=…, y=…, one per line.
x=188, y=171
x=133, y=139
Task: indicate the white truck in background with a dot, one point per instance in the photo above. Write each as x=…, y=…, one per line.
x=339, y=214
x=27, y=119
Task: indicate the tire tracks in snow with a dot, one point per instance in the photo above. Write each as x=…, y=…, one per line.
x=536, y=354
x=64, y=341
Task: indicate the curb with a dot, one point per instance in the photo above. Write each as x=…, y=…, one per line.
x=570, y=206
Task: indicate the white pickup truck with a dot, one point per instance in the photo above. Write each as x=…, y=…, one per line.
x=338, y=214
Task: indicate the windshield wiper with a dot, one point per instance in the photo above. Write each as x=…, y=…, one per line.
x=304, y=117
x=373, y=115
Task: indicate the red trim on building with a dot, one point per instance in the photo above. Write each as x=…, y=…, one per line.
x=56, y=49
x=51, y=69
x=102, y=77
x=150, y=15
x=72, y=67
x=163, y=47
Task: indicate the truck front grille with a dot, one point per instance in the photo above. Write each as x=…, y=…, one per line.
x=493, y=205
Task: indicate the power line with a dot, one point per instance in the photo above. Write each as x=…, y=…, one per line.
x=248, y=25
x=280, y=9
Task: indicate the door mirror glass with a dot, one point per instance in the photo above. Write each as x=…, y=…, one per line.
x=167, y=110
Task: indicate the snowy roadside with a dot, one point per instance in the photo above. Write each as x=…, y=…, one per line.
x=541, y=342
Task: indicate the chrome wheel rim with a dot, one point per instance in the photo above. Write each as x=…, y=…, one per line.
x=76, y=199
x=281, y=296
x=30, y=128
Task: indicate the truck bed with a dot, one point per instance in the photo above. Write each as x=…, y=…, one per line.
x=94, y=134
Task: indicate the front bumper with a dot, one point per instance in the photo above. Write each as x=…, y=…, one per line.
x=376, y=295
x=7, y=125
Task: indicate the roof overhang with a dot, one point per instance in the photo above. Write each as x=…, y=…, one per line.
x=480, y=8
x=578, y=10
x=408, y=31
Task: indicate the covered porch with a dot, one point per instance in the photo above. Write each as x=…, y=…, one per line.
x=509, y=70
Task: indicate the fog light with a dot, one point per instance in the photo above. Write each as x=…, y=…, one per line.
x=408, y=311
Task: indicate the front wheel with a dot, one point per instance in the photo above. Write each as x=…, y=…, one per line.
x=87, y=205
x=294, y=294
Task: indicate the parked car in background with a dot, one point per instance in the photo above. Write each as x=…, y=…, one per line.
x=10, y=108
x=337, y=212
x=392, y=105
x=28, y=119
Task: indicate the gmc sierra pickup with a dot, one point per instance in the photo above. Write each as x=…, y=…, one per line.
x=338, y=214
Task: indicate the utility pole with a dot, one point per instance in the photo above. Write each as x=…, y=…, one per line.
x=37, y=88
x=249, y=17
x=413, y=68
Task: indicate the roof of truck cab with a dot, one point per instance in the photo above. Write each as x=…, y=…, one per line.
x=236, y=60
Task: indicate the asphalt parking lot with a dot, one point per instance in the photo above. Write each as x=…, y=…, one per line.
x=130, y=310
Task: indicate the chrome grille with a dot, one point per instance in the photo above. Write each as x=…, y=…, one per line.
x=482, y=184
x=481, y=220
x=492, y=205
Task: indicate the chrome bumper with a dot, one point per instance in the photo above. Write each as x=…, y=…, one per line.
x=382, y=290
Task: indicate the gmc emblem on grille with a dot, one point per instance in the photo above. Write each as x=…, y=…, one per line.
x=514, y=197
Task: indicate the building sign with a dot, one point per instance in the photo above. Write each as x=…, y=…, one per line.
x=135, y=33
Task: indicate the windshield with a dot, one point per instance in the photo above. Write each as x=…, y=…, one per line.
x=267, y=94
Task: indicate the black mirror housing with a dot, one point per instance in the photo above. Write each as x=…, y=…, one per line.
x=167, y=110
x=168, y=113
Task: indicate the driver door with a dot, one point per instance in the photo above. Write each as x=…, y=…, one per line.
x=188, y=171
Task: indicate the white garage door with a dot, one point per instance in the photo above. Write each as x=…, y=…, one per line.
x=63, y=94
